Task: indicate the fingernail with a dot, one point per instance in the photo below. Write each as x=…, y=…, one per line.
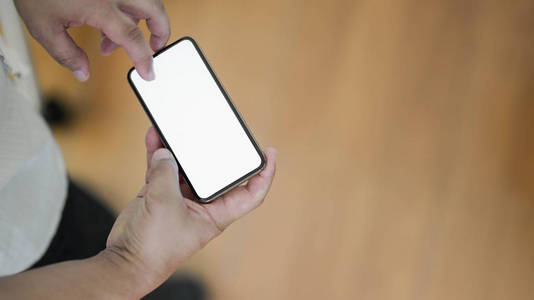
x=162, y=44
x=161, y=155
x=81, y=75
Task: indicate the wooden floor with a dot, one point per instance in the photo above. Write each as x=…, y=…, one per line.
x=405, y=132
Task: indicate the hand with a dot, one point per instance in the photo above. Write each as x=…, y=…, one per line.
x=163, y=227
x=48, y=21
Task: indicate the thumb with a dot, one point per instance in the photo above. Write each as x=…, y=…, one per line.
x=163, y=174
x=64, y=50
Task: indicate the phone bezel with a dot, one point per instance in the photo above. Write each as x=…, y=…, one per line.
x=232, y=106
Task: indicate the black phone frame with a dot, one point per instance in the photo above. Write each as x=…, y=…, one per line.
x=230, y=103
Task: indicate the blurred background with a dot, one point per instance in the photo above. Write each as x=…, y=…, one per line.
x=405, y=132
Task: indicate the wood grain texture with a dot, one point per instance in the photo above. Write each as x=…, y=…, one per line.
x=405, y=133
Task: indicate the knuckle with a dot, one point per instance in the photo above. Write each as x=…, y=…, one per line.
x=158, y=5
x=65, y=59
x=154, y=197
x=154, y=201
x=99, y=15
x=132, y=32
x=164, y=169
x=259, y=197
x=157, y=196
x=35, y=31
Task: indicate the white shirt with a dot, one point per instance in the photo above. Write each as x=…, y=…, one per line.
x=33, y=182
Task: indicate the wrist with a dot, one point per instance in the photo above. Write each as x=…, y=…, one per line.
x=126, y=277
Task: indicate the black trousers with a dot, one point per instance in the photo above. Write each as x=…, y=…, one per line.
x=82, y=231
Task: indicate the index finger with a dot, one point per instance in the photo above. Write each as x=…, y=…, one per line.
x=120, y=29
x=156, y=19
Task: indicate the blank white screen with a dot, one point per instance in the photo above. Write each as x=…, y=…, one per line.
x=196, y=120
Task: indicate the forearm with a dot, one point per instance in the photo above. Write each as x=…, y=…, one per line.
x=104, y=276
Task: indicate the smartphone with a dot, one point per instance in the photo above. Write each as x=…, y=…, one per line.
x=197, y=121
